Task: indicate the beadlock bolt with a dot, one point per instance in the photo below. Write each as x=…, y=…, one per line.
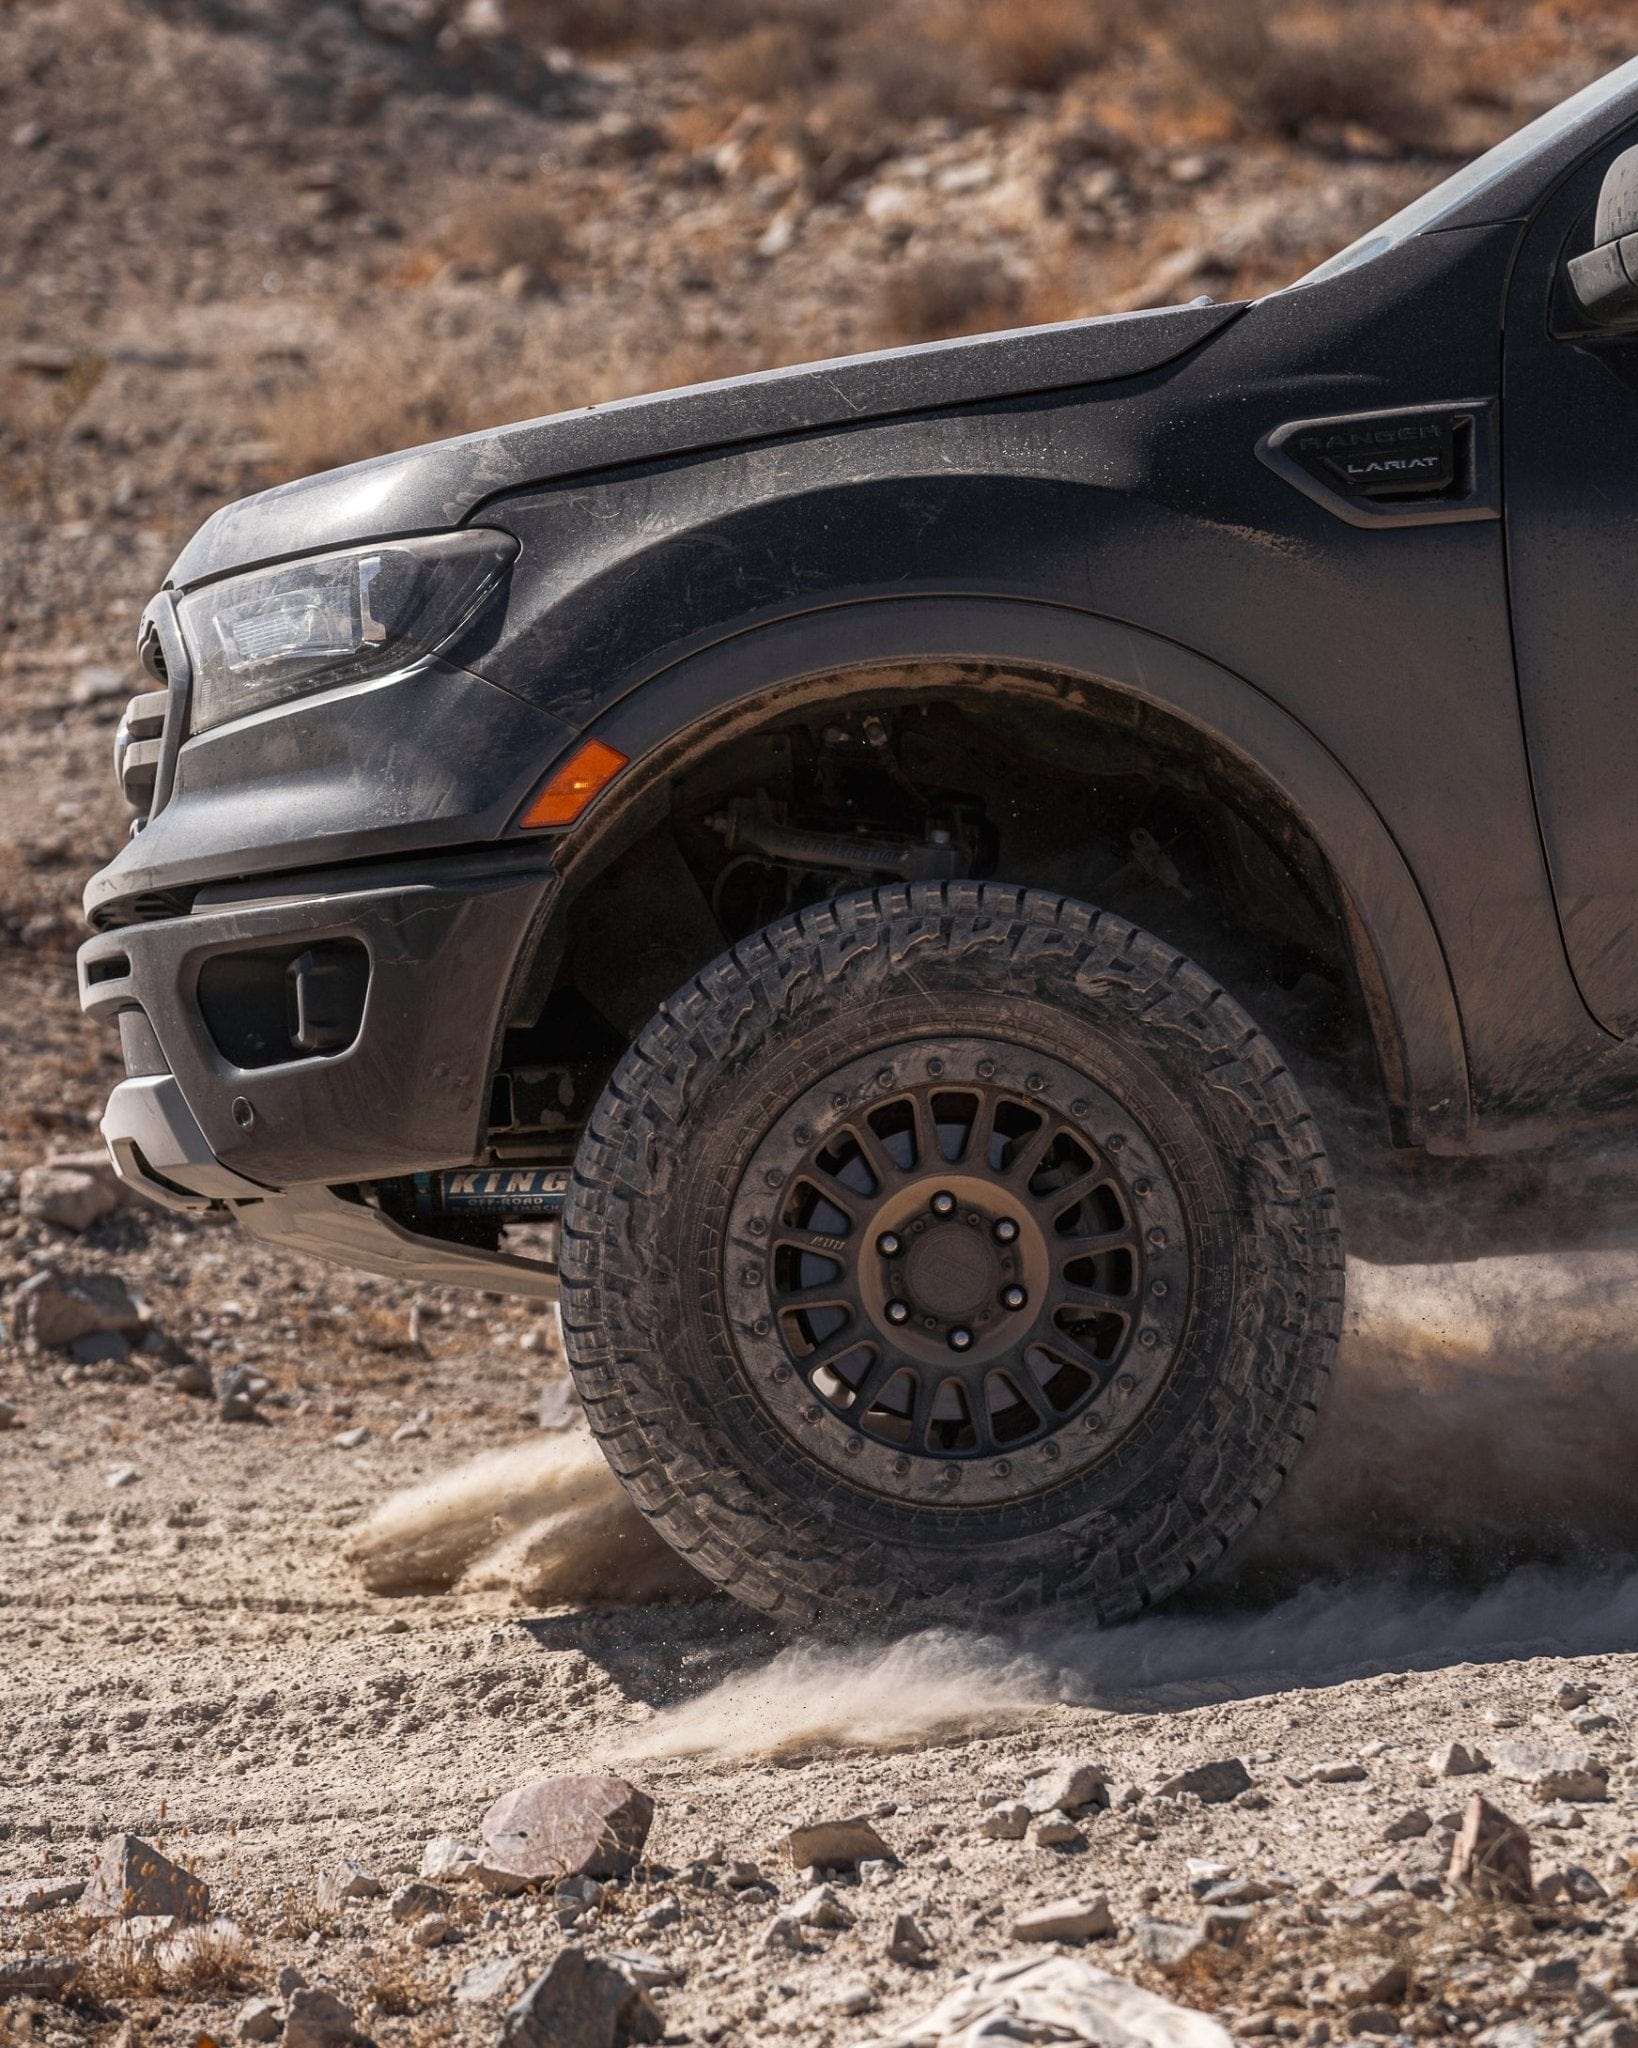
x=889, y=1244
x=960, y=1338
x=898, y=1311
x=943, y=1203
x=1006, y=1231
x=1013, y=1297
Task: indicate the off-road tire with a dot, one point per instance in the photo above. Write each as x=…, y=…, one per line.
x=658, y=1243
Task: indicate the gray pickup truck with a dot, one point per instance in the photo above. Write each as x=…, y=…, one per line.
x=933, y=868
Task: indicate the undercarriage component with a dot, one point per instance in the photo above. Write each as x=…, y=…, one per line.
x=751, y=825
x=512, y=1194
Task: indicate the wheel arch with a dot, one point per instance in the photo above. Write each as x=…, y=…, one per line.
x=680, y=711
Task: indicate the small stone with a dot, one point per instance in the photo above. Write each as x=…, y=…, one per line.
x=560, y=1406
x=1225, y=1926
x=289, y=1980
x=876, y=1870
x=315, y=2018
x=446, y=1860
x=836, y=1844
x=581, y=2002
x=1408, y=1826
x=566, y=1826
x=1210, y=1783
x=1570, y=1696
x=40, y=1894
x=819, y=1908
x=11, y=1416
x=1370, y=1980
x=1457, y=1760
x=350, y=1439
x=408, y=1432
x=1084, y=1919
x=1572, y=1884
x=1491, y=1854
x=481, y=1982
x=665, y=1914
x=71, y=1197
x=1343, y=1771
x=852, y=1996
x=413, y=1901
x=131, y=1879
x=1066, y=1788
x=259, y=2020
x=241, y=1393
x=573, y=1898
x=347, y=1880
x=1239, y=1891
x=907, y=1943
x=48, y=1974
x=1370, y=2019
x=645, y=1970
x=433, y=1929
x=1008, y=1822
x=1204, y=1874
x=739, y=1877
x=1167, y=1943
x=1056, y=1831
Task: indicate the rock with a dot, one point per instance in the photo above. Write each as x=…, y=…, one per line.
x=1554, y=1774
x=481, y=1982
x=852, y=1996
x=1491, y=1854
x=315, y=2018
x=836, y=1844
x=1239, y=1891
x=1456, y=1760
x=665, y=1914
x=876, y=1870
x=1226, y=1925
x=645, y=1970
x=1167, y=1943
x=350, y=1439
x=1370, y=1980
x=347, y=1880
x=567, y=1826
x=446, y=1860
x=1370, y=2019
x=573, y=1898
x=1344, y=1771
x=289, y=1980
x=431, y=1930
x=1408, y=1826
x=11, y=1416
x=130, y=1878
x=1211, y=1783
x=48, y=1974
x=259, y=2020
x=1056, y=1831
x=415, y=1900
x=1572, y=1884
x=122, y=1475
x=40, y=1894
x=1055, y=1998
x=1007, y=1822
x=239, y=1397
x=1066, y=1788
x=581, y=2002
x=1203, y=1874
x=559, y=1406
x=1570, y=1696
x=739, y=1876
x=1087, y=1919
x=907, y=1943
x=1380, y=1881
x=52, y=1310
x=819, y=1908
x=73, y=1197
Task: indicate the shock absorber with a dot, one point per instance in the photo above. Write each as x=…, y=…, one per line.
x=505, y=1194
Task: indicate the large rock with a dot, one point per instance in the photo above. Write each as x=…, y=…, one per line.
x=1553, y=1774
x=836, y=1844
x=1066, y=1788
x=132, y=1880
x=565, y=1827
x=52, y=1310
x=581, y=2002
x=1066, y=1920
x=40, y=1894
x=39, y=1974
x=72, y=1193
x=1055, y=1998
x=1491, y=1855
x=1210, y=1783
x=316, y=2018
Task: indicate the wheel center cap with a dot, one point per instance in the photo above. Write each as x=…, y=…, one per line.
x=951, y=1271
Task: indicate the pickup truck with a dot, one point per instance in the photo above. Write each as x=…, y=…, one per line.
x=946, y=876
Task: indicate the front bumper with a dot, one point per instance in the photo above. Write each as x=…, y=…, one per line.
x=219, y=1106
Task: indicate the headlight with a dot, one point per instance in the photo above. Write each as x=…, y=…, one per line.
x=279, y=633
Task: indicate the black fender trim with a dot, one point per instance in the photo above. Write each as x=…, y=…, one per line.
x=1401, y=963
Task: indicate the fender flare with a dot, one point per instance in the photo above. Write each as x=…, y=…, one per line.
x=1398, y=956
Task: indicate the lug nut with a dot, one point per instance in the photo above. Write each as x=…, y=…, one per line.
x=1013, y=1297
x=888, y=1244
x=943, y=1203
x=961, y=1339
x=1006, y=1231
x=898, y=1311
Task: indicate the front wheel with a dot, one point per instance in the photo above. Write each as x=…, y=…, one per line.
x=947, y=1250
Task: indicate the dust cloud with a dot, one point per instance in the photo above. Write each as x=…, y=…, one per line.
x=1467, y=1496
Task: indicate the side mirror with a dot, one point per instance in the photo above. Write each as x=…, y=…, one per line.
x=1604, y=282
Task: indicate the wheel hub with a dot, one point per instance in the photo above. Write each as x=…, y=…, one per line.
x=958, y=1270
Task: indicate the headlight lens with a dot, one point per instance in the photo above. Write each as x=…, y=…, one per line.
x=312, y=625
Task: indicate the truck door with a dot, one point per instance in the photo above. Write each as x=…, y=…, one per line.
x=1570, y=480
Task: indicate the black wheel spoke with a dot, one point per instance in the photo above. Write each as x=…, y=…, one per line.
x=813, y=1242
x=875, y=1377
x=837, y=1345
x=1031, y=1152
x=1068, y=1295
x=1058, y=1201
x=883, y=1169
x=1073, y=1250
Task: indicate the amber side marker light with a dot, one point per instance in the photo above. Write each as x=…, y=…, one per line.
x=567, y=790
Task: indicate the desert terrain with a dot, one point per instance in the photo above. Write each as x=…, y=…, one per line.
x=304, y=1571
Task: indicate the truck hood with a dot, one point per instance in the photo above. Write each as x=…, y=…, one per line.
x=428, y=489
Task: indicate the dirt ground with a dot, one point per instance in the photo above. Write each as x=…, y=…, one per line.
x=245, y=239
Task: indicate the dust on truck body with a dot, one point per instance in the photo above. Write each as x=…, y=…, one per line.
x=937, y=867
